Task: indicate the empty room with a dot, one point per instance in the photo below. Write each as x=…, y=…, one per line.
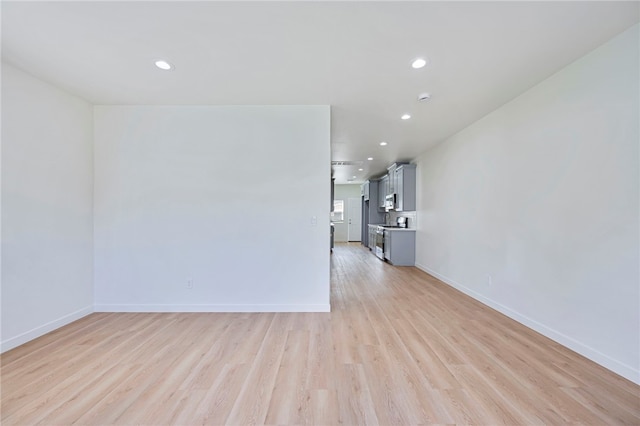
x=320, y=212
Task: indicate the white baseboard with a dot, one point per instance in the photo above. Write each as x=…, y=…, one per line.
x=211, y=308
x=617, y=367
x=23, y=338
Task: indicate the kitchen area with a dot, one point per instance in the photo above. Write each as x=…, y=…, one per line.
x=389, y=215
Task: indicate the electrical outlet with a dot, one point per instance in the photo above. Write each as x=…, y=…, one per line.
x=189, y=284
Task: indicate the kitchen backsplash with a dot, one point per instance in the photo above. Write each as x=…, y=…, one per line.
x=411, y=218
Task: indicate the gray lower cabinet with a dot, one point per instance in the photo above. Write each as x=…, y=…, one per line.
x=400, y=247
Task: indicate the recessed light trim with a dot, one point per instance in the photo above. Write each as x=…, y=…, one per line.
x=163, y=65
x=370, y=158
x=405, y=117
x=360, y=170
x=383, y=143
x=418, y=63
x=424, y=97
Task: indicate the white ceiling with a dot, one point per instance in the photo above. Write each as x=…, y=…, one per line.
x=354, y=56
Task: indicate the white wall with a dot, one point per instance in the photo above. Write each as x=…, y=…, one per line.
x=344, y=192
x=223, y=196
x=47, y=235
x=542, y=195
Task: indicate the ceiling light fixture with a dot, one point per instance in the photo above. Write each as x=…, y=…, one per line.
x=419, y=63
x=370, y=158
x=383, y=143
x=405, y=117
x=424, y=97
x=164, y=65
x=360, y=170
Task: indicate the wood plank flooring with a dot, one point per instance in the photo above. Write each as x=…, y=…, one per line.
x=399, y=347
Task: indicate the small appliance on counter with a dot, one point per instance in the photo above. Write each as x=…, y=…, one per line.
x=401, y=222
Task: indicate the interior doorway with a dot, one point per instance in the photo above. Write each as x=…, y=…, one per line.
x=354, y=219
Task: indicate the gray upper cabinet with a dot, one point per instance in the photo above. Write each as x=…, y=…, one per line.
x=383, y=190
x=405, y=187
x=391, y=183
x=364, y=190
x=401, y=180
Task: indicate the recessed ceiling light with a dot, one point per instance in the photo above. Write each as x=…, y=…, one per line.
x=164, y=65
x=353, y=177
x=424, y=97
x=419, y=63
x=370, y=158
x=383, y=143
x=360, y=170
x=406, y=117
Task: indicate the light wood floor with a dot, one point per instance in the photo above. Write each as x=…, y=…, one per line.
x=399, y=347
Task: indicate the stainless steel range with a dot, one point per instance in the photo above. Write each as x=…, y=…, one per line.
x=379, y=248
